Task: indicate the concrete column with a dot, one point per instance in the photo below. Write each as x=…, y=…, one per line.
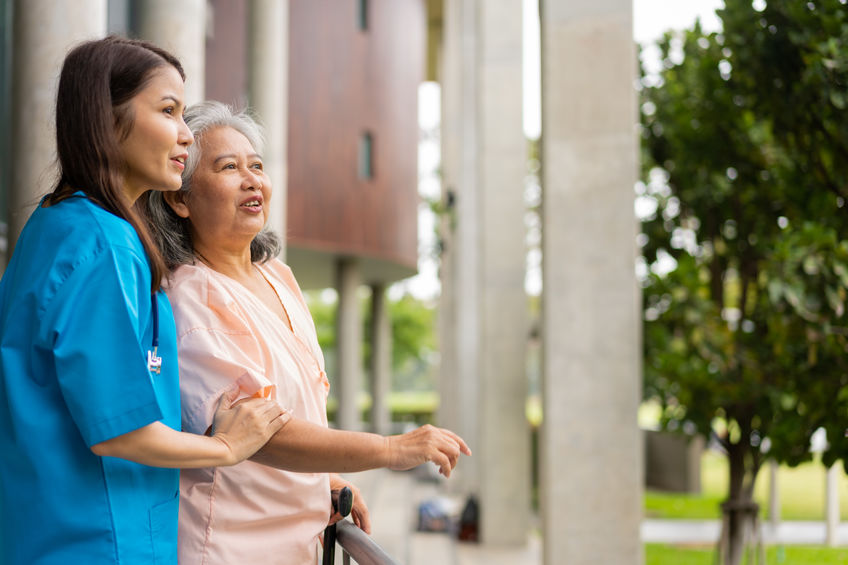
x=381, y=361
x=483, y=308
x=464, y=13
x=448, y=412
x=179, y=27
x=348, y=344
x=774, y=496
x=504, y=448
x=268, y=53
x=458, y=300
x=831, y=505
x=43, y=33
x=591, y=448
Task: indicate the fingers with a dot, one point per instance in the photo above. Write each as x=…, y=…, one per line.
x=463, y=447
x=361, y=516
x=270, y=408
x=226, y=400
x=334, y=517
x=359, y=512
x=279, y=421
x=449, y=448
x=443, y=463
x=264, y=408
x=427, y=443
x=271, y=413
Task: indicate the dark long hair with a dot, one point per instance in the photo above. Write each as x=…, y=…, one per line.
x=98, y=80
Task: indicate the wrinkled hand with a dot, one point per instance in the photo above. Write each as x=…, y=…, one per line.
x=359, y=513
x=245, y=426
x=427, y=443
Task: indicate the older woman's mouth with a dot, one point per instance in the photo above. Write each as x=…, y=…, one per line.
x=254, y=204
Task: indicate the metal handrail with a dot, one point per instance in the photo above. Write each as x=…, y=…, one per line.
x=358, y=545
x=354, y=542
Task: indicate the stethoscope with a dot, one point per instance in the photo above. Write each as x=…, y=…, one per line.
x=154, y=362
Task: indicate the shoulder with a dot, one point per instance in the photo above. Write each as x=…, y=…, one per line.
x=187, y=281
x=281, y=272
x=83, y=219
x=76, y=239
x=97, y=239
x=202, y=299
x=189, y=288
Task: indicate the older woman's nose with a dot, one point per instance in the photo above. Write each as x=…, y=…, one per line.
x=251, y=180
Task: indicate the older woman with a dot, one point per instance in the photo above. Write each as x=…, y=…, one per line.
x=243, y=325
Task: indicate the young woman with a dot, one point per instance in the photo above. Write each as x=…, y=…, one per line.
x=89, y=393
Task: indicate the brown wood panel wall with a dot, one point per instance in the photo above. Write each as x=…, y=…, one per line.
x=344, y=82
x=226, y=52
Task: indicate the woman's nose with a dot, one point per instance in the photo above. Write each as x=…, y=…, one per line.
x=184, y=136
x=251, y=181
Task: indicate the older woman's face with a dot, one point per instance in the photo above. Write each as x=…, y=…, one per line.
x=230, y=192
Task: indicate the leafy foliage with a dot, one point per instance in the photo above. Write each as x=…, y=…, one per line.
x=413, y=338
x=413, y=343
x=746, y=162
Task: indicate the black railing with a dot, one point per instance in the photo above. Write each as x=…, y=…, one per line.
x=354, y=542
x=357, y=545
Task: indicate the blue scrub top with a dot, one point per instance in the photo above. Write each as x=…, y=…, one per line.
x=75, y=327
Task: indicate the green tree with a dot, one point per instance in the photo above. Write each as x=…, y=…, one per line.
x=413, y=337
x=413, y=342
x=745, y=157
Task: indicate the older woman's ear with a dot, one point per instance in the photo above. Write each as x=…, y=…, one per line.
x=176, y=200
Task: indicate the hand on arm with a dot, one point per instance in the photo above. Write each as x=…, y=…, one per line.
x=238, y=430
x=245, y=426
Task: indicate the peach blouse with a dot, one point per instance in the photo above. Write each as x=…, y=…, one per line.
x=228, y=338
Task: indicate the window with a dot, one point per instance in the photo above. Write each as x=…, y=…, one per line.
x=362, y=14
x=366, y=156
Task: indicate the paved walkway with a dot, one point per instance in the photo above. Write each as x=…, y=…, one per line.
x=393, y=500
x=707, y=532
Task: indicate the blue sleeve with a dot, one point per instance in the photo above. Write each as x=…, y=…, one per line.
x=95, y=325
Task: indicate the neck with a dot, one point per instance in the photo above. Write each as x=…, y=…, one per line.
x=132, y=193
x=236, y=264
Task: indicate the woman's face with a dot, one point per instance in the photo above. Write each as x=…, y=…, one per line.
x=230, y=193
x=155, y=148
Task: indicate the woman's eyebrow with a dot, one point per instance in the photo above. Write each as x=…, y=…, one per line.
x=223, y=157
x=250, y=157
x=173, y=98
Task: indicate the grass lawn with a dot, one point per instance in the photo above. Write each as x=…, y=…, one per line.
x=659, y=554
x=801, y=492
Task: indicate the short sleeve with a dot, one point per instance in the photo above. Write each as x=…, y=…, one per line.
x=95, y=326
x=214, y=361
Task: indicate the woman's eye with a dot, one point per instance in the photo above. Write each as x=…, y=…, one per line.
x=258, y=166
x=230, y=166
x=169, y=110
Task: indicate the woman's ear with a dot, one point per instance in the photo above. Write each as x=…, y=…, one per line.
x=176, y=200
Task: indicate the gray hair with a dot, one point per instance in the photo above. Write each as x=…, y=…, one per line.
x=173, y=233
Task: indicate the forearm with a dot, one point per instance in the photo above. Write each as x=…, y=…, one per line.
x=158, y=445
x=304, y=447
